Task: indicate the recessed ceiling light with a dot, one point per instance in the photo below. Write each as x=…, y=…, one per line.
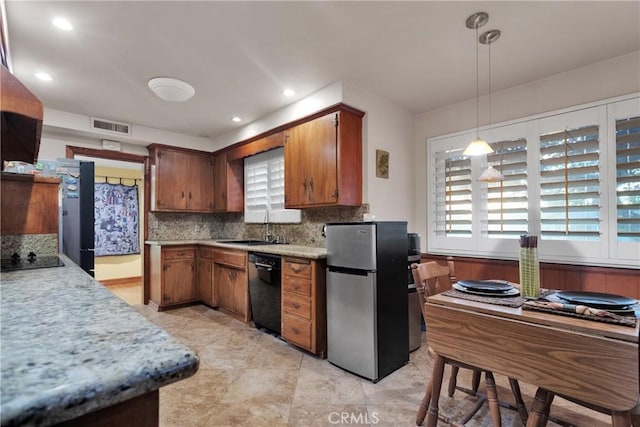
x=236, y=119
x=288, y=92
x=44, y=76
x=63, y=24
x=171, y=89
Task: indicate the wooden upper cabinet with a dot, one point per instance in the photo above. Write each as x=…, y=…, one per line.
x=29, y=204
x=181, y=180
x=228, y=184
x=323, y=161
x=200, y=178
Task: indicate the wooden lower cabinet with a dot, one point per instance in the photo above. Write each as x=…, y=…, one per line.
x=304, y=307
x=173, y=275
x=206, y=284
x=231, y=290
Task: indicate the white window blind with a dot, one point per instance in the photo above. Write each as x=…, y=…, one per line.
x=453, y=194
x=570, y=184
x=507, y=201
x=628, y=179
x=264, y=189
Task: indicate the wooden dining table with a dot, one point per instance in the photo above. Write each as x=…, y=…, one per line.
x=591, y=361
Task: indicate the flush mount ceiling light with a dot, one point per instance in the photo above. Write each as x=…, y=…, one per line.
x=236, y=119
x=288, y=93
x=44, y=76
x=62, y=23
x=478, y=146
x=171, y=89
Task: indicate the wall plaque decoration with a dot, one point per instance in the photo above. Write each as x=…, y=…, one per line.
x=382, y=164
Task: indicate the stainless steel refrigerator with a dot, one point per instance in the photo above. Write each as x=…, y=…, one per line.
x=77, y=179
x=367, y=314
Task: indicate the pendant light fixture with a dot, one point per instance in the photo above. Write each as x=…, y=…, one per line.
x=491, y=174
x=478, y=146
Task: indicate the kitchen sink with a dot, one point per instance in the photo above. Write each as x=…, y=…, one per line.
x=250, y=242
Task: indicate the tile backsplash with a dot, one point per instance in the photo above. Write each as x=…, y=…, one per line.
x=181, y=226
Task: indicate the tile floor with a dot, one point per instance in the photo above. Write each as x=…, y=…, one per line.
x=249, y=378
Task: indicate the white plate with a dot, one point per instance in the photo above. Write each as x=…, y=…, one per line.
x=510, y=293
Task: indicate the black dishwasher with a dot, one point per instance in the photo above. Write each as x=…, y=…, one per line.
x=264, y=291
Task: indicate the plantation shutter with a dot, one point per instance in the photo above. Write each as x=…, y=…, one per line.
x=628, y=179
x=276, y=183
x=264, y=182
x=452, y=210
x=570, y=184
x=256, y=184
x=507, y=204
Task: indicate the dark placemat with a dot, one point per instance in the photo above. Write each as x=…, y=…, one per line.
x=515, y=301
x=618, y=320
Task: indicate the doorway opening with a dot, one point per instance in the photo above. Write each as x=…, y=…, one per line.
x=122, y=274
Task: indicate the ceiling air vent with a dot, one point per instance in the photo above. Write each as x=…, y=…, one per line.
x=110, y=126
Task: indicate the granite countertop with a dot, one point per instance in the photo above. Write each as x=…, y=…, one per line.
x=278, y=249
x=70, y=347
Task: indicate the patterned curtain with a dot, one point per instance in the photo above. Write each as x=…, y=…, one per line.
x=116, y=219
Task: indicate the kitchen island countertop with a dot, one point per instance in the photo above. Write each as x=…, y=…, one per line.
x=276, y=249
x=70, y=347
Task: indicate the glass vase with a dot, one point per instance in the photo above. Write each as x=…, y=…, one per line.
x=529, y=273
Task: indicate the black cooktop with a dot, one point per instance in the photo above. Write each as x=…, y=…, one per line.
x=30, y=262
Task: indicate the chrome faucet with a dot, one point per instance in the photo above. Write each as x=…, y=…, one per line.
x=267, y=236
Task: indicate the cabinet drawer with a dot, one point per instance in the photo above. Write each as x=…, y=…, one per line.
x=296, y=330
x=295, y=268
x=296, y=304
x=178, y=253
x=233, y=259
x=205, y=253
x=297, y=285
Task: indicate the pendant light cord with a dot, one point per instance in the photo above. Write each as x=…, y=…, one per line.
x=477, y=86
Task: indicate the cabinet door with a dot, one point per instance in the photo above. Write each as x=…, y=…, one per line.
x=220, y=183
x=295, y=175
x=323, y=177
x=179, y=281
x=311, y=163
x=224, y=277
x=199, y=183
x=205, y=281
x=169, y=186
x=240, y=293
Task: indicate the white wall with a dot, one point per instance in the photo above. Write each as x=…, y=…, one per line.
x=606, y=79
x=386, y=127
x=62, y=128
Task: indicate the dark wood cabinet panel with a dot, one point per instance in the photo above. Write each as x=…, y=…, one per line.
x=206, y=284
x=303, y=304
x=173, y=275
x=29, y=204
x=181, y=180
x=323, y=161
x=231, y=282
x=21, y=120
x=228, y=184
x=200, y=183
